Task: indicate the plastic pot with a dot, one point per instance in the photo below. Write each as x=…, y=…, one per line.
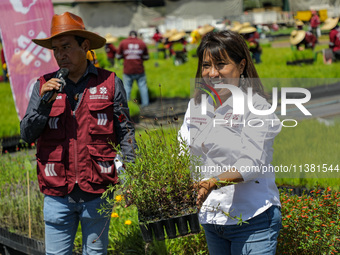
x=174, y=227
x=170, y=228
x=182, y=225
x=193, y=223
x=146, y=232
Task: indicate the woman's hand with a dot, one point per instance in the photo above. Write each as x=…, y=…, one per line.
x=204, y=189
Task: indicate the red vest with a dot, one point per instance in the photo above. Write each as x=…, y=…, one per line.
x=74, y=146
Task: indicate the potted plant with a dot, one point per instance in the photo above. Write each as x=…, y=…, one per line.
x=162, y=184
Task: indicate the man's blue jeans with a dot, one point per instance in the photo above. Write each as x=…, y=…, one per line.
x=258, y=236
x=143, y=88
x=61, y=224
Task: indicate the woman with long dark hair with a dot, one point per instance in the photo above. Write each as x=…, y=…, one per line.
x=238, y=199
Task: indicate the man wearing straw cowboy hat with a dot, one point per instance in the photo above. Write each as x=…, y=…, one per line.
x=252, y=38
x=110, y=49
x=301, y=37
x=334, y=36
x=75, y=162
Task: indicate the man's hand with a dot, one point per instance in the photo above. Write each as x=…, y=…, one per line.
x=205, y=187
x=52, y=84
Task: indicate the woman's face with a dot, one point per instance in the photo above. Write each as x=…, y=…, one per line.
x=222, y=71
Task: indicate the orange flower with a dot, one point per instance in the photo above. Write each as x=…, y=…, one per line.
x=119, y=198
x=128, y=222
x=114, y=215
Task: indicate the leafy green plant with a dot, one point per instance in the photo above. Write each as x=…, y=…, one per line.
x=310, y=223
x=160, y=181
x=20, y=199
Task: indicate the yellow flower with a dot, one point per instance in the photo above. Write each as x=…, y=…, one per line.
x=119, y=198
x=128, y=222
x=114, y=215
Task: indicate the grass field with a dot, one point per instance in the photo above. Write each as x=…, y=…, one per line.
x=174, y=81
x=310, y=143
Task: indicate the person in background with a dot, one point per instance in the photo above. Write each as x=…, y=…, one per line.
x=302, y=39
x=177, y=43
x=252, y=38
x=92, y=56
x=166, y=36
x=234, y=193
x=110, y=49
x=332, y=24
x=159, y=44
x=134, y=52
x=157, y=37
x=75, y=162
x=299, y=24
x=4, y=66
x=314, y=24
x=203, y=30
x=177, y=47
x=195, y=36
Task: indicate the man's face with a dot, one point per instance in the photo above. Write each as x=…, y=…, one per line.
x=69, y=54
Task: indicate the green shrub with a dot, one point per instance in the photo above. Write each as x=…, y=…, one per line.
x=160, y=181
x=310, y=223
x=19, y=185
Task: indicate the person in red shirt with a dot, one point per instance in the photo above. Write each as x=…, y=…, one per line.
x=134, y=52
x=314, y=23
x=157, y=37
x=334, y=36
x=159, y=43
x=110, y=49
x=303, y=40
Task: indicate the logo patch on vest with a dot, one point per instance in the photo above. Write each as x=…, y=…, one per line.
x=52, y=122
x=102, y=119
x=102, y=91
x=105, y=167
x=93, y=90
x=49, y=170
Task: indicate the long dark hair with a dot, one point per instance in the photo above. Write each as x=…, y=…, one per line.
x=222, y=45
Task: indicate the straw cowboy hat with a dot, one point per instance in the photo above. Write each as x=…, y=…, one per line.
x=177, y=36
x=299, y=23
x=70, y=24
x=297, y=36
x=110, y=38
x=236, y=26
x=169, y=33
x=247, y=28
x=205, y=29
x=330, y=23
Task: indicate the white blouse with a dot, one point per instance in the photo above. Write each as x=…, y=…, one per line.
x=224, y=140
